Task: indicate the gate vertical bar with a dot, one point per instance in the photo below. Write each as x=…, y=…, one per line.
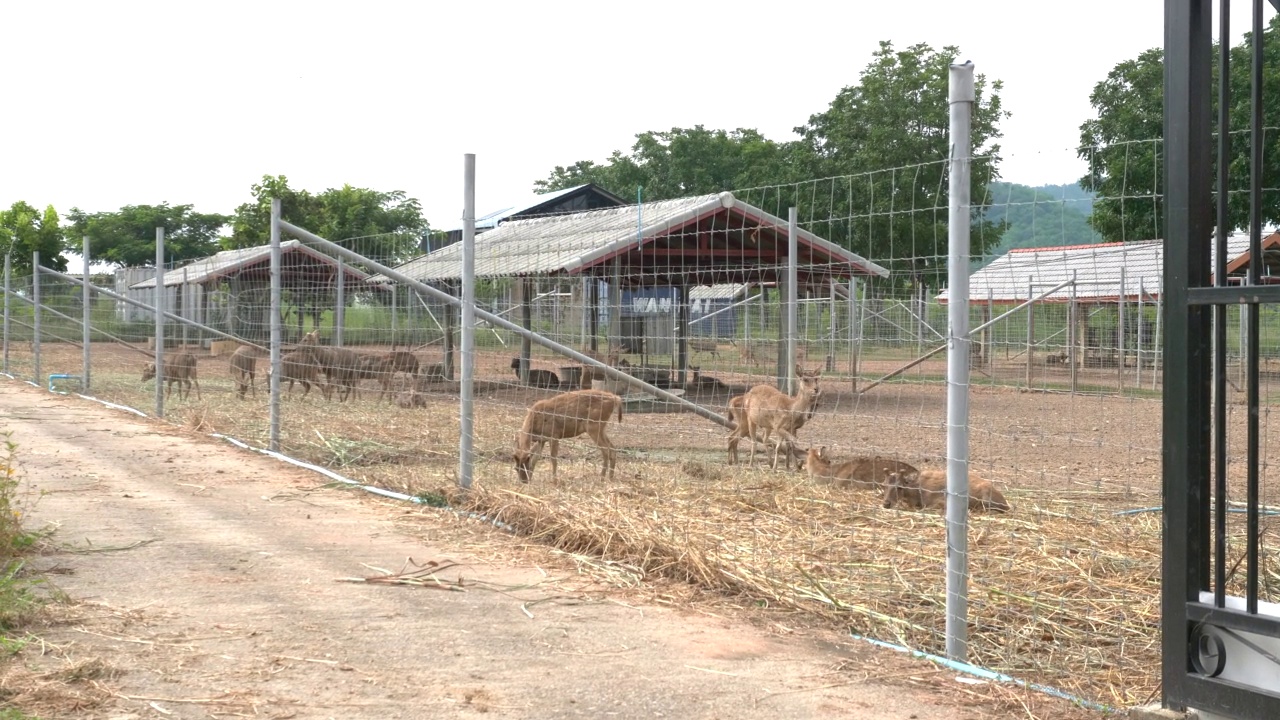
x=393, y=316
x=86, y=319
x=1256, y=140
x=159, y=304
x=1220, y=316
x=1188, y=227
x=961, y=99
x=467, y=389
x=793, y=293
x=8, y=268
x=340, y=306
x=35, y=320
x=276, y=329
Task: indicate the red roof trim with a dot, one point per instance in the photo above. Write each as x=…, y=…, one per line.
x=1081, y=247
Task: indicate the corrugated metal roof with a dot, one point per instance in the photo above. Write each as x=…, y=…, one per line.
x=716, y=292
x=228, y=262
x=492, y=219
x=1096, y=268
x=565, y=243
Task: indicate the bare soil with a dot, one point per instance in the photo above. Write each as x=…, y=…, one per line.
x=205, y=581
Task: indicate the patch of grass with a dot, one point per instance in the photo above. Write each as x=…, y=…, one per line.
x=18, y=601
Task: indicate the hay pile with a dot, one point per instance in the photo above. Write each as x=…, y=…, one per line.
x=1062, y=593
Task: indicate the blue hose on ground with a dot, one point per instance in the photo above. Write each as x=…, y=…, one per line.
x=990, y=674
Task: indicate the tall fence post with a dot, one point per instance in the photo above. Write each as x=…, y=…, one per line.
x=35, y=320
x=793, y=294
x=159, y=305
x=87, y=316
x=7, y=289
x=340, y=308
x=1031, y=328
x=1155, y=361
x=466, y=393
x=1120, y=328
x=273, y=437
x=1142, y=290
x=854, y=327
x=831, y=330
x=1074, y=355
x=961, y=91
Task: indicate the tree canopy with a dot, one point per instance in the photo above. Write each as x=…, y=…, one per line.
x=386, y=226
x=24, y=230
x=127, y=237
x=882, y=146
x=1124, y=143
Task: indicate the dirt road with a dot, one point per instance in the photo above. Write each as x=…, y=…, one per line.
x=213, y=589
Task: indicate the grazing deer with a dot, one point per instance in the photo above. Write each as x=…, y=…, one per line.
x=926, y=489
x=772, y=411
x=302, y=365
x=179, y=368
x=859, y=472
x=565, y=416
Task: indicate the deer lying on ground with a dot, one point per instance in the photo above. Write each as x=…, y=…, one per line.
x=865, y=473
x=565, y=416
x=771, y=411
x=538, y=378
x=927, y=489
x=179, y=368
x=244, y=363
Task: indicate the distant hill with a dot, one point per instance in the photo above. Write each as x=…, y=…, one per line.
x=1043, y=216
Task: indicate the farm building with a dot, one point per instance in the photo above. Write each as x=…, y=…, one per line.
x=570, y=200
x=231, y=289
x=665, y=249
x=1116, y=290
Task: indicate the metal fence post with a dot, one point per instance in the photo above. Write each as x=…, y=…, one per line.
x=87, y=316
x=793, y=294
x=35, y=320
x=276, y=329
x=1120, y=308
x=7, y=289
x=1074, y=354
x=340, y=309
x=465, y=461
x=854, y=327
x=159, y=311
x=961, y=99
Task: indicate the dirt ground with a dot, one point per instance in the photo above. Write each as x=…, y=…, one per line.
x=207, y=581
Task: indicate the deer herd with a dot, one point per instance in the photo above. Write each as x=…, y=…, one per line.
x=762, y=415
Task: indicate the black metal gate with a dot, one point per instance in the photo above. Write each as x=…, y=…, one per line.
x=1208, y=636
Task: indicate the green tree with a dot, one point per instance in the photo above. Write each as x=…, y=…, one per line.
x=1124, y=146
x=886, y=143
x=385, y=226
x=24, y=230
x=127, y=237
x=681, y=162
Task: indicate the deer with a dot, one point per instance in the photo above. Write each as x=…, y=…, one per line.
x=302, y=365
x=538, y=378
x=772, y=411
x=179, y=368
x=244, y=363
x=565, y=416
x=859, y=472
x=927, y=489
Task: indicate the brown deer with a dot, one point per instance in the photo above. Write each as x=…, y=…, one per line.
x=771, y=411
x=303, y=366
x=538, y=378
x=565, y=416
x=859, y=472
x=927, y=489
x=179, y=368
x=244, y=363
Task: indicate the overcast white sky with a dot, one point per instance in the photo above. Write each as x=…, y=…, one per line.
x=111, y=104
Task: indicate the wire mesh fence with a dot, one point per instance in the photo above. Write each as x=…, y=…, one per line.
x=688, y=298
